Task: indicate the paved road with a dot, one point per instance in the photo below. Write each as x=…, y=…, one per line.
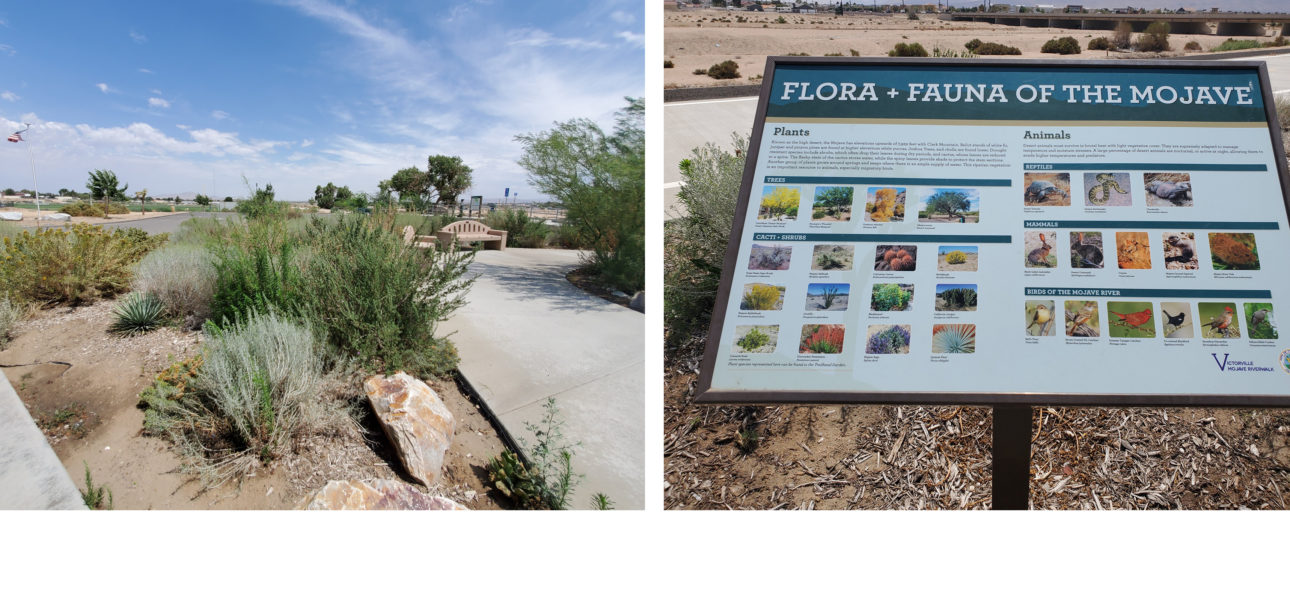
x=167, y=224
x=527, y=334
x=688, y=125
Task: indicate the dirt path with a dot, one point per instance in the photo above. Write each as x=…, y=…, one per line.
x=81, y=385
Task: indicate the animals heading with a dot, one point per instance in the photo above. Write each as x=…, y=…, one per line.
x=845, y=91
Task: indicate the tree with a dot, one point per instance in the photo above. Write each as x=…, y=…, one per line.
x=950, y=202
x=103, y=186
x=261, y=203
x=142, y=197
x=203, y=200
x=411, y=185
x=10, y=192
x=600, y=179
x=343, y=196
x=1155, y=38
x=325, y=196
x=834, y=199
x=449, y=176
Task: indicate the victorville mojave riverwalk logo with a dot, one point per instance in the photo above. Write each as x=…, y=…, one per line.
x=1227, y=365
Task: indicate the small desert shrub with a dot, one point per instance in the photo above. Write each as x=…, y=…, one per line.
x=1192, y=46
x=1277, y=43
x=754, y=339
x=973, y=44
x=138, y=313
x=1099, y=43
x=10, y=314
x=238, y=404
x=995, y=49
x=855, y=52
x=72, y=265
x=956, y=257
x=547, y=479
x=182, y=277
x=95, y=497
x=1283, y=111
x=700, y=71
x=1123, y=35
x=724, y=70
x=667, y=64
x=373, y=298
x=83, y=209
x=903, y=49
x=760, y=296
x=695, y=244
x=1061, y=45
x=254, y=277
x=522, y=231
x=912, y=15
x=781, y=20
x=1231, y=44
x=1154, y=39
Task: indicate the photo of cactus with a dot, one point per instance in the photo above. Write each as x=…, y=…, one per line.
x=821, y=339
x=756, y=339
x=1046, y=189
x=956, y=258
x=885, y=205
x=1107, y=189
x=1167, y=189
x=779, y=203
x=833, y=257
x=827, y=296
x=1130, y=319
x=1039, y=318
x=770, y=257
x=950, y=205
x=956, y=296
x=832, y=203
x=895, y=258
x=762, y=296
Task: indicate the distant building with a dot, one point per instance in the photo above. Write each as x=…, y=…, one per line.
x=1074, y=8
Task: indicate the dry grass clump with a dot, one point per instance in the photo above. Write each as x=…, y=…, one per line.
x=182, y=277
x=10, y=313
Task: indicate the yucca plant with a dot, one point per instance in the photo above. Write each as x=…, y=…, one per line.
x=138, y=313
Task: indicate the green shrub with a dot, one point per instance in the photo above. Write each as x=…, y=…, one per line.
x=254, y=272
x=252, y=393
x=994, y=49
x=1231, y=44
x=72, y=265
x=182, y=277
x=724, y=70
x=754, y=339
x=1277, y=43
x=700, y=71
x=1155, y=38
x=262, y=204
x=889, y=296
x=1192, y=46
x=695, y=244
x=373, y=298
x=1061, y=45
x=547, y=479
x=781, y=20
x=1099, y=43
x=973, y=44
x=903, y=49
x=956, y=257
x=95, y=497
x=522, y=231
x=138, y=313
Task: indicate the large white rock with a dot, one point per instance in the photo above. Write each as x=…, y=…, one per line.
x=56, y=217
x=374, y=494
x=10, y=216
x=415, y=420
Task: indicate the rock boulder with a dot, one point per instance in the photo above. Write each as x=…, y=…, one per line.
x=415, y=420
x=638, y=301
x=374, y=494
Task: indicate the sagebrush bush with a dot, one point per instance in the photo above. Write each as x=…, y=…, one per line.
x=83, y=209
x=724, y=70
x=1099, y=43
x=903, y=49
x=248, y=397
x=522, y=231
x=1061, y=45
x=182, y=277
x=375, y=299
x=695, y=244
x=72, y=265
x=1192, y=46
x=667, y=64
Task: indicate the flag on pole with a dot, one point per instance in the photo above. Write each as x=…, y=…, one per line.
x=15, y=137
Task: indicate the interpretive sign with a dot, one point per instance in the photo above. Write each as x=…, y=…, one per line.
x=1028, y=232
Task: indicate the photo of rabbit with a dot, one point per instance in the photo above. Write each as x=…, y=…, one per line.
x=1086, y=250
x=1039, y=250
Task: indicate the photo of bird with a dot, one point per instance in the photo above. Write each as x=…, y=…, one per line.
x=1131, y=319
x=1082, y=319
x=1261, y=321
x=1221, y=323
x=1177, y=323
x=1041, y=314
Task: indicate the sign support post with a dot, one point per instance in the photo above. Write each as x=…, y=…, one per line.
x=1010, y=456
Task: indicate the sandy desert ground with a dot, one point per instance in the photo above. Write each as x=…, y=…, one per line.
x=698, y=39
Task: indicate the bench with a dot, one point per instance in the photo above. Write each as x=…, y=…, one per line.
x=468, y=232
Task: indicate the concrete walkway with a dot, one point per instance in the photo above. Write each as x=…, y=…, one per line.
x=31, y=476
x=527, y=334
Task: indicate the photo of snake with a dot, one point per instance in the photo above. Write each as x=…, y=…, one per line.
x=1107, y=189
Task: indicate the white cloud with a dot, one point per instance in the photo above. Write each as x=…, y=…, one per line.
x=138, y=38
x=103, y=87
x=621, y=17
x=306, y=143
x=7, y=49
x=538, y=39
x=158, y=103
x=10, y=96
x=145, y=71
x=219, y=115
x=631, y=37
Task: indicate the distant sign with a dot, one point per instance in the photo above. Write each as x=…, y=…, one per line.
x=507, y=194
x=1032, y=232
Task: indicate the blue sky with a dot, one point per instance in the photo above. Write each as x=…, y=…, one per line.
x=173, y=95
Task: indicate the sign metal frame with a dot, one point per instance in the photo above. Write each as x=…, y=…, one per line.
x=1013, y=400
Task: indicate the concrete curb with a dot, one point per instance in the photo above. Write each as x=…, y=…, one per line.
x=31, y=476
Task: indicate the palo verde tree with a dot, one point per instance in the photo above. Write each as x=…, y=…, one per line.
x=950, y=202
x=103, y=186
x=601, y=181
